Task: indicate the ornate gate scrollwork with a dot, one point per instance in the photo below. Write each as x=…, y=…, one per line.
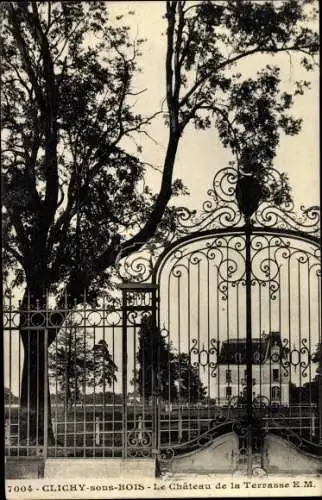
x=238, y=295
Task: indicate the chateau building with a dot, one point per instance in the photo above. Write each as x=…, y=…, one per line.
x=269, y=379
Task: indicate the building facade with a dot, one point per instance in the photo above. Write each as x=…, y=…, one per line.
x=270, y=380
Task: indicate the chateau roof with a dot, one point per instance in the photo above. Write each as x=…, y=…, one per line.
x=233, y=351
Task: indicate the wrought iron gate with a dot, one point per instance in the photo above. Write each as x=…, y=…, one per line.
x=239, y=327
x=218, y=334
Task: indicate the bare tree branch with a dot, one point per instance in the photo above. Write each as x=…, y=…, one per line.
x=21, y=44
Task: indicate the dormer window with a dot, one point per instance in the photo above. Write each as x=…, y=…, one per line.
x=238, y=357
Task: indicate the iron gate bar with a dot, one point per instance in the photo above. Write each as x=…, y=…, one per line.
x=249, y=356
x=155, y=362
x=46, y=395
x=249, y=372
x=124, y=371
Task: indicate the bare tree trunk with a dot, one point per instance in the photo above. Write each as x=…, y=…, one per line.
x=35, y=393
x=34, y=385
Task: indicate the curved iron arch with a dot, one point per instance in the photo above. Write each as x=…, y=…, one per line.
x=202, y=235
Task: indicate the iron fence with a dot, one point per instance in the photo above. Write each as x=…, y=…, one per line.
x=72, y=395
x=99, y=407
x=221, y=334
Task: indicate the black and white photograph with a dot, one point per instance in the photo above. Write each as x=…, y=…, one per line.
x=161, y=249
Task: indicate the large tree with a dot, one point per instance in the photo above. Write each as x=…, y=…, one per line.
x=70, y=190
x=162, y=371
x=154, y=357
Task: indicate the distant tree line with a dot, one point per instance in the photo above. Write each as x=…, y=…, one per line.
x=309, y=392
x=77, y=362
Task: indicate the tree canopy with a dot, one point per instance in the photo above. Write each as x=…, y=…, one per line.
x=70, y=190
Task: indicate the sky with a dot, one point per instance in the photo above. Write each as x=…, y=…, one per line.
x=200, y=153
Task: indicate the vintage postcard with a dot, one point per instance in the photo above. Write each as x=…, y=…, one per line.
x=161, y=249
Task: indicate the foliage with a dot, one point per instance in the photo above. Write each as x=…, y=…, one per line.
x=209, y=40
x=310, y=391
x=103, y=367
x=317, y=358
x=189, y=387
x=154, y=356
x=71, y=192
x=9, y=397
x=76, y=363
x=175, y=377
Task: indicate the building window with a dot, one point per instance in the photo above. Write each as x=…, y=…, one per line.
x=276, y=393
x=256, y=357
x=276, y=374
x=228, y=376
x=228, y=392
x=238, y=357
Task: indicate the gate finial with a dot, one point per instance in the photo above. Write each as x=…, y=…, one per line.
x=248, y=194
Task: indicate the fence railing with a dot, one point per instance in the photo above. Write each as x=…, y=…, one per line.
x=67, y=393
x=102, y=435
